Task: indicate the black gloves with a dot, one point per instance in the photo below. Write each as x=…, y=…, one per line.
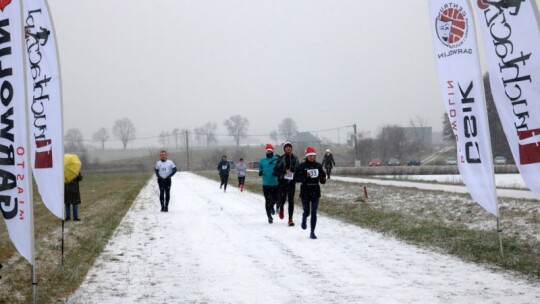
x=260, y=173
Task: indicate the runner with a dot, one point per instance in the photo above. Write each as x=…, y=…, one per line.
x=241, y=174
x=224, y=167
x=269, y=181
x=310, y=173
x=165, y=169
x=284, y=170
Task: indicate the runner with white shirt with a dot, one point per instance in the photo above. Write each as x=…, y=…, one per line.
x=165, y=169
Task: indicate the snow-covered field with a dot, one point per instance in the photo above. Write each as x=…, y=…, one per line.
x=215, y=247
x=501, y=180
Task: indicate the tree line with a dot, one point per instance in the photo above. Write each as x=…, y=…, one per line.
x=124, y=130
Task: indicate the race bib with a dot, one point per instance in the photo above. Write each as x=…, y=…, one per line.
x=224, y=167
x=289, y=175
x=313, y=173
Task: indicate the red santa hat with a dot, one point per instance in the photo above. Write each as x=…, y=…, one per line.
x=310, y=151
x=269, y=147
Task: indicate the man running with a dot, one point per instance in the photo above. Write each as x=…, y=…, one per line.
x=165, y=169
x=284, y=170
x=224, y=167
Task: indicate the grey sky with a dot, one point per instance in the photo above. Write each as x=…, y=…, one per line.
x=169, y=64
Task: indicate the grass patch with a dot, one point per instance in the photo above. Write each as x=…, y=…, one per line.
x=106, y=197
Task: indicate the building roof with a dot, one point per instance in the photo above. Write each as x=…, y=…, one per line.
x=304, y=137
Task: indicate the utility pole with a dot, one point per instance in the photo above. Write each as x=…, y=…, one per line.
x=187, y=150
x=355, y=147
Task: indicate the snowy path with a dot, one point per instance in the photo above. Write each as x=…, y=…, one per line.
x=215, y=247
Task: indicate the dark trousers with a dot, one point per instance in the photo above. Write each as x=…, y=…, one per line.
x=241, y=180
x=271, y=198
x=224, y=181
x=164, y=191
x=286, y=193
x=328, y=171
x=310, y=208
x=75, y=211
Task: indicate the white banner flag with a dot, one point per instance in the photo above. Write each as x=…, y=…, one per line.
x=16, y=180
x=512, y=43
x=458, y=67
x=45, y=105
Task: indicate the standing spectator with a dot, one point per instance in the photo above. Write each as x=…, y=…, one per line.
x=72, y=196
x=310, y=173
x=224, y=167
x=165, y=169
x=284, y=170
x=269, y=181
x=328, y=162
x=241, y=174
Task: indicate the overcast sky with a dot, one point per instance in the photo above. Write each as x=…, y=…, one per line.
x=169, y=64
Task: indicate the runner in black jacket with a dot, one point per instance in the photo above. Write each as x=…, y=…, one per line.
x=310, y=173
x=224, y=167
x=284, y=170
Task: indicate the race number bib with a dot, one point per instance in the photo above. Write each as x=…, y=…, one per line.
x=224, y=167
x=313, y=173
x=289, y=175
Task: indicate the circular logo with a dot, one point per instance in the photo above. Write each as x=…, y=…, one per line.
x=452, y=26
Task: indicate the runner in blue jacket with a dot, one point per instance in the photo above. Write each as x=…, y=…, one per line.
x=269, y=181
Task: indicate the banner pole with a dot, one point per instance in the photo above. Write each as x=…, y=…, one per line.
x=499, y=231
x=62, y=258
x=29, y=161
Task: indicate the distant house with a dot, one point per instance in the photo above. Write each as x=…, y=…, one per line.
x=302, y=140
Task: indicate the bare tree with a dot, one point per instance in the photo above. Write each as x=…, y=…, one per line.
x=209, y=133
x=287, y=128
x=124, y=130
x=102, y=135
x=417, y=143
x=274, y=136
x=185, y=137
x=199, y=136
x=392, y=141
x=164, y=138
x=74, y=140
x=237, y=127
x=175, y=134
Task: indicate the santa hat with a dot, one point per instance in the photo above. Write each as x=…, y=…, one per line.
x=287, y=144
x=310, y=151
x=269, y=147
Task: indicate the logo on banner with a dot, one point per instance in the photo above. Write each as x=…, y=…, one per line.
x=4, y=3
x=502, y=4
x=515, y=72
x=529, y=146
x=452, y=25
x=35, y=40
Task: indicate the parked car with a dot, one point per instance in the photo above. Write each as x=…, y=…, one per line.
x=499, y=160
x=451, y=160
x=393, y=162
x=375, y=162
x=413, y=162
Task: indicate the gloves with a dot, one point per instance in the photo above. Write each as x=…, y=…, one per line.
x=260, y=173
